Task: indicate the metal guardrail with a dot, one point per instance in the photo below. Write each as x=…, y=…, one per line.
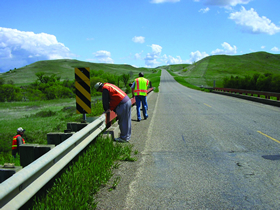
x=258, y=93
x=19, y=188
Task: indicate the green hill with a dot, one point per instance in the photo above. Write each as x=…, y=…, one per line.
x=203, y=72
x=216, y=67
x=64, y=68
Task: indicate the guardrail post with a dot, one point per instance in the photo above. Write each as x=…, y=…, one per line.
x=7, y=170
x=54, y=138
x=27, y=154
x=57, y=137
x=75, y=127
x=31, y=152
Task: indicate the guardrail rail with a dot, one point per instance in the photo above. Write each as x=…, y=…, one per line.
x=251, y=92
x=19, y=188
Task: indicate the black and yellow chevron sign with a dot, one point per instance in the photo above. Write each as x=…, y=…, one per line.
x=82, y=84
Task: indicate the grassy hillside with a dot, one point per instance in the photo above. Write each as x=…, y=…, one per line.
x=64, y=68
x=216, y=67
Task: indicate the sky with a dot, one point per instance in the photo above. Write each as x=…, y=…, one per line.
x=141, y=33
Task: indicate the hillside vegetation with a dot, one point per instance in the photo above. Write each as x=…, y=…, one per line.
x=217, y=67
x=53, y=79
x=65, y=69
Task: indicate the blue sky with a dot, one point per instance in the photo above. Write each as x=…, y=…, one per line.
x=142, y=33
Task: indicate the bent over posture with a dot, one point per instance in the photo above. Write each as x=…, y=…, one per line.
x=113, y=98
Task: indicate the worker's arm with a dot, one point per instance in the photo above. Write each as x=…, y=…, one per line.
x=19, y=141
x=132, y=89
x=106, y=100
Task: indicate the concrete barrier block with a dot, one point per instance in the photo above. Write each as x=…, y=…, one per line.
x=27, y=154
x=40, y=150
x=31, y=152
x=75, y=126
x=7, y=170
x=54, y=138
x=72, y=126
x=112, y=132
x=80, y=126
x=64, y=136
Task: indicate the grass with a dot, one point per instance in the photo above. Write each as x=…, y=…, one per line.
x=155, y=79
x=38, y=118
x=76, y=186
x=217, y=67
x=183, y=81
x=65, y=68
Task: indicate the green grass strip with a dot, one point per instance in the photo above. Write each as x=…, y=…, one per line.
x=183, y=82
x=76, y=186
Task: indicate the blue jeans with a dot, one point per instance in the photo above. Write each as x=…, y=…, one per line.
x=142, y=99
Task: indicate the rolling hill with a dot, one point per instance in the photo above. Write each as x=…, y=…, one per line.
x=203, y=72
x=64, y=68
x=216, y=67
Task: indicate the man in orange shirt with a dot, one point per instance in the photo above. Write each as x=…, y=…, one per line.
x=115, y=99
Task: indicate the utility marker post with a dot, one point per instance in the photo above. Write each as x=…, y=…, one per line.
x=83, y=97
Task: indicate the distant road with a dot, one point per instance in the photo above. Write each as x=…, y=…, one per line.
x=207, y=151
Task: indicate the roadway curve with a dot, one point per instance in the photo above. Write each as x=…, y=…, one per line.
x=200, y=150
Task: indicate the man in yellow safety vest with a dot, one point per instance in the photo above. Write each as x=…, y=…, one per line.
x=139, y=90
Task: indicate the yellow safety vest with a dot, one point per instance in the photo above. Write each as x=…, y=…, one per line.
x=141, y=86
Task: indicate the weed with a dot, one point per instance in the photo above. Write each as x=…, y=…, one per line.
x=75, y=188
x=115, y=183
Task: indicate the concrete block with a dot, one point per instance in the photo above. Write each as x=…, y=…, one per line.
x=40, y=150
x=80, y=126
x=72, y=126
x=64, y=136
x=7, y=170
x=75, y=126
x=54, y=138
x=112, y=132
x=31, y=152
x=27, y=154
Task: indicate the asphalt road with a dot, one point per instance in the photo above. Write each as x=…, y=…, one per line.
x=201, y=150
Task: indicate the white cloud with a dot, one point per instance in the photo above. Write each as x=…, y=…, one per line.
x=228, y=50
x=225, y=3
x=262, y=47
x=20, y=48
x=163, y=1
x=171, y=60
x=250, y=21
x=138, y=56
x=204, y=10
x=156, y=49
x=138, y=39
x=276, y=49
x=103, y=56
x=151, y=58
x=196, y=56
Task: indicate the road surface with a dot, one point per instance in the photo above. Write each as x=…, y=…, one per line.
x=200, y=150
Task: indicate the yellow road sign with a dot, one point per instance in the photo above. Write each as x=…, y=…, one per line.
x=82, y=84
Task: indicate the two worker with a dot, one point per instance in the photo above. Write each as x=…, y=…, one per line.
x=115, y=99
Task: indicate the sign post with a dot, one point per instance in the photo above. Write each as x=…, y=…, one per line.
x=83, y=97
